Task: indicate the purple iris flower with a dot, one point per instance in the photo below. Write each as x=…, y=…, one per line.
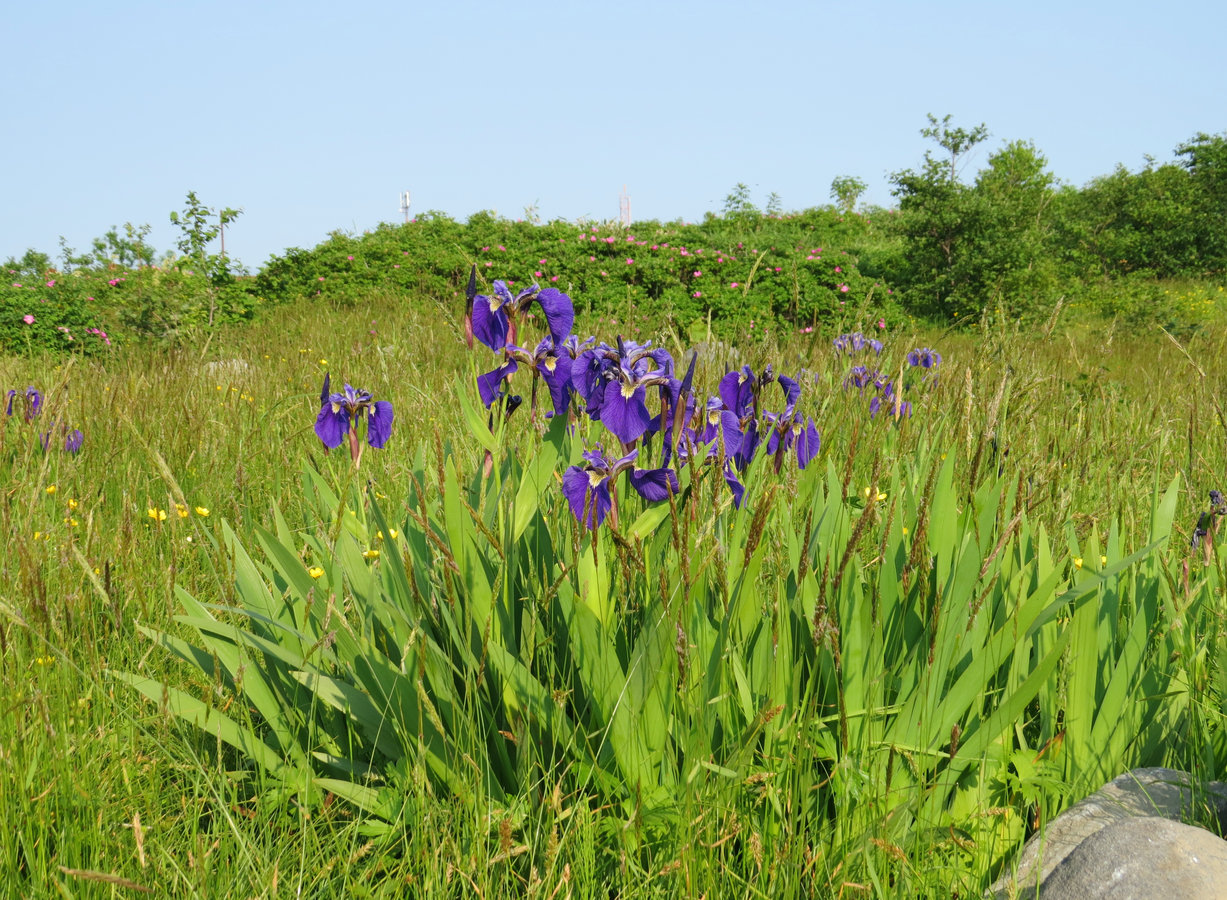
x=341, y=413
x=790, y=432
x=494, y=316
x=889, y=401
x=740, y=390
x=624, y=409
x=553, y=364
x=860, y=377
x=587, y=487
x=32, y=401
x=721, y=427
x=613, y=384
x=924, y=358
x=72, y=439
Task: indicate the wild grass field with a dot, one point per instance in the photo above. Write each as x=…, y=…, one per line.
x=235, y=665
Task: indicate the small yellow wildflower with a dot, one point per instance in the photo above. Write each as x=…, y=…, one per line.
x=370, y=554
x=37, y=535
x=1077, y=562
x=202, y=511
x=158, y=515
x=51, y=489
x=392, y=533
x=72, y=503
x=315, y=572
x=323, y=362
x=1103, y=560
x=71, y=522
x=182, y=511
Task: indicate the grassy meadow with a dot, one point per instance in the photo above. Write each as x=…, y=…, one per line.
x=231, y=665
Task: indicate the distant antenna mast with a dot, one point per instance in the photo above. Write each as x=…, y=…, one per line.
x=624, y=208
x=404, y=205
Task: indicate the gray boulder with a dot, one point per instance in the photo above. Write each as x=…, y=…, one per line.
x=1128, y=840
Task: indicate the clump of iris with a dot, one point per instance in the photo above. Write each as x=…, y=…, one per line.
x=72, y=439
x=344, y=413
x=854, y=342
x=633, y=390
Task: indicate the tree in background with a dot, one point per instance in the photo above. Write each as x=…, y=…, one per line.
x=936, y=215
x=846, y=190
x=1205, y=159
x=988, y=244
x=1134, y=223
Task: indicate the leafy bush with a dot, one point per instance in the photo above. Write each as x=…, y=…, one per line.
x=48, y=315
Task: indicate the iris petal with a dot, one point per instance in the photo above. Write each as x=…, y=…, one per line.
x=654, y=484
x=808, y=443
x=490, y=323
x=792, y=391
x=489, y=385
x=559, y=313
x=559, y=382
x=738, y=489
x=626, y=417
x=379, y=427
x=576, y=487
x=331, y=426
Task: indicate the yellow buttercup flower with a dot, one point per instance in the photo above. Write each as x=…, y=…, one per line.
x=51, y=489
x=202, y=511
x=1077, y=562
x=158, y=515
x=315, y=572
x=72, y=503
x=370, y=554
x=182, y=511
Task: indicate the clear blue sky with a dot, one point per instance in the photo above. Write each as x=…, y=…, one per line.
x=313, y=117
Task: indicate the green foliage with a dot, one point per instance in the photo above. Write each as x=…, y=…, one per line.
x=1205, y=158
x=1130, y=222
x=778, y=273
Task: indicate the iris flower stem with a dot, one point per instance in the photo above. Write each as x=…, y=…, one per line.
x=613, y=502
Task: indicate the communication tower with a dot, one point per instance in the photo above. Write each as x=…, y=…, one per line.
x=404, y=205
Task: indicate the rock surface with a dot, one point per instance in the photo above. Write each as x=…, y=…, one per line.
x=1141, y=859
x=1128, y=840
